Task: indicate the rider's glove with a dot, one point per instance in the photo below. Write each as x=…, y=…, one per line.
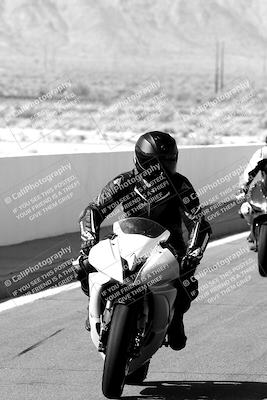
x=80, y=272
x=83, y=268
x=86, y=247
x=88, y=239
x=188, y=267
x=241, y=195
x=190, y=261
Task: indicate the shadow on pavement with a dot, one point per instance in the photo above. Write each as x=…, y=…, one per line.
x=202, y=390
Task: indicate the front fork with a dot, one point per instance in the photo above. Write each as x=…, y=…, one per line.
x=142, y=319
x=104, y=327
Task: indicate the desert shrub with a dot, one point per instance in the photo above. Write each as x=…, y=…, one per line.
x=166, y=116
x=263, y=124
x=183, y=96
x=81, y=90
x=246, y=121
x=27, y=114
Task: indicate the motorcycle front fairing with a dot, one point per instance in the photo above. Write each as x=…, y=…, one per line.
x=138, y=239
x=160, y=268
x=130, y=243
x=158, y=275
x=96, y=284
x=106, y=259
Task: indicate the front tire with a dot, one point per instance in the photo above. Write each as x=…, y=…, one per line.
x=117, y=354
x=262, y=250
x=138, y=376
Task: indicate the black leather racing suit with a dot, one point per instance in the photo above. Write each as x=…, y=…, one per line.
x=168, y=201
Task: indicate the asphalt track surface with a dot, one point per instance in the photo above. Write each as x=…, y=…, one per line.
x=47, y=354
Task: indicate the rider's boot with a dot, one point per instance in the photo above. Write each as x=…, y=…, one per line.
x=87, y=322
x=176, y=333
x=86, y=290
x=82, y=276
x=250, y=238
x=252, y=242
x=253, y=246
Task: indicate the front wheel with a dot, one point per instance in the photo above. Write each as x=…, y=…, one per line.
x=138, y=376
x=117, y=351
x=262, y=250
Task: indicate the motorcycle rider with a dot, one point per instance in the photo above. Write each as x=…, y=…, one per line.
x=257, y=163
x=169, y=202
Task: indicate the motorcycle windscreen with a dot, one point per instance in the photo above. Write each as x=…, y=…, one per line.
x=133, y=248
x=105, y=257
x=139, y=226
x=138, y=237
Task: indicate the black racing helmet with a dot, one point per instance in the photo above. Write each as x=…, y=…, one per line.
x=263, y=165
x=156, y=146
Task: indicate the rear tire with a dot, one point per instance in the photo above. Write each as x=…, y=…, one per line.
x=138, y=376
x=262, y=250
x=117, y=357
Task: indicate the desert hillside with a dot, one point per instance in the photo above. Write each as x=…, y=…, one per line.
x=96, y=35
x=109, y=51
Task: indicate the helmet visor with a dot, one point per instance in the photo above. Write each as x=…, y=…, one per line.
x=169, y=163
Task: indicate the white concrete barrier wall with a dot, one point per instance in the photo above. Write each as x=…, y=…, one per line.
x=43, y=195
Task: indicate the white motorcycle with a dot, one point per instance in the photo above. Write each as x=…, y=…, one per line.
x=131, y=299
